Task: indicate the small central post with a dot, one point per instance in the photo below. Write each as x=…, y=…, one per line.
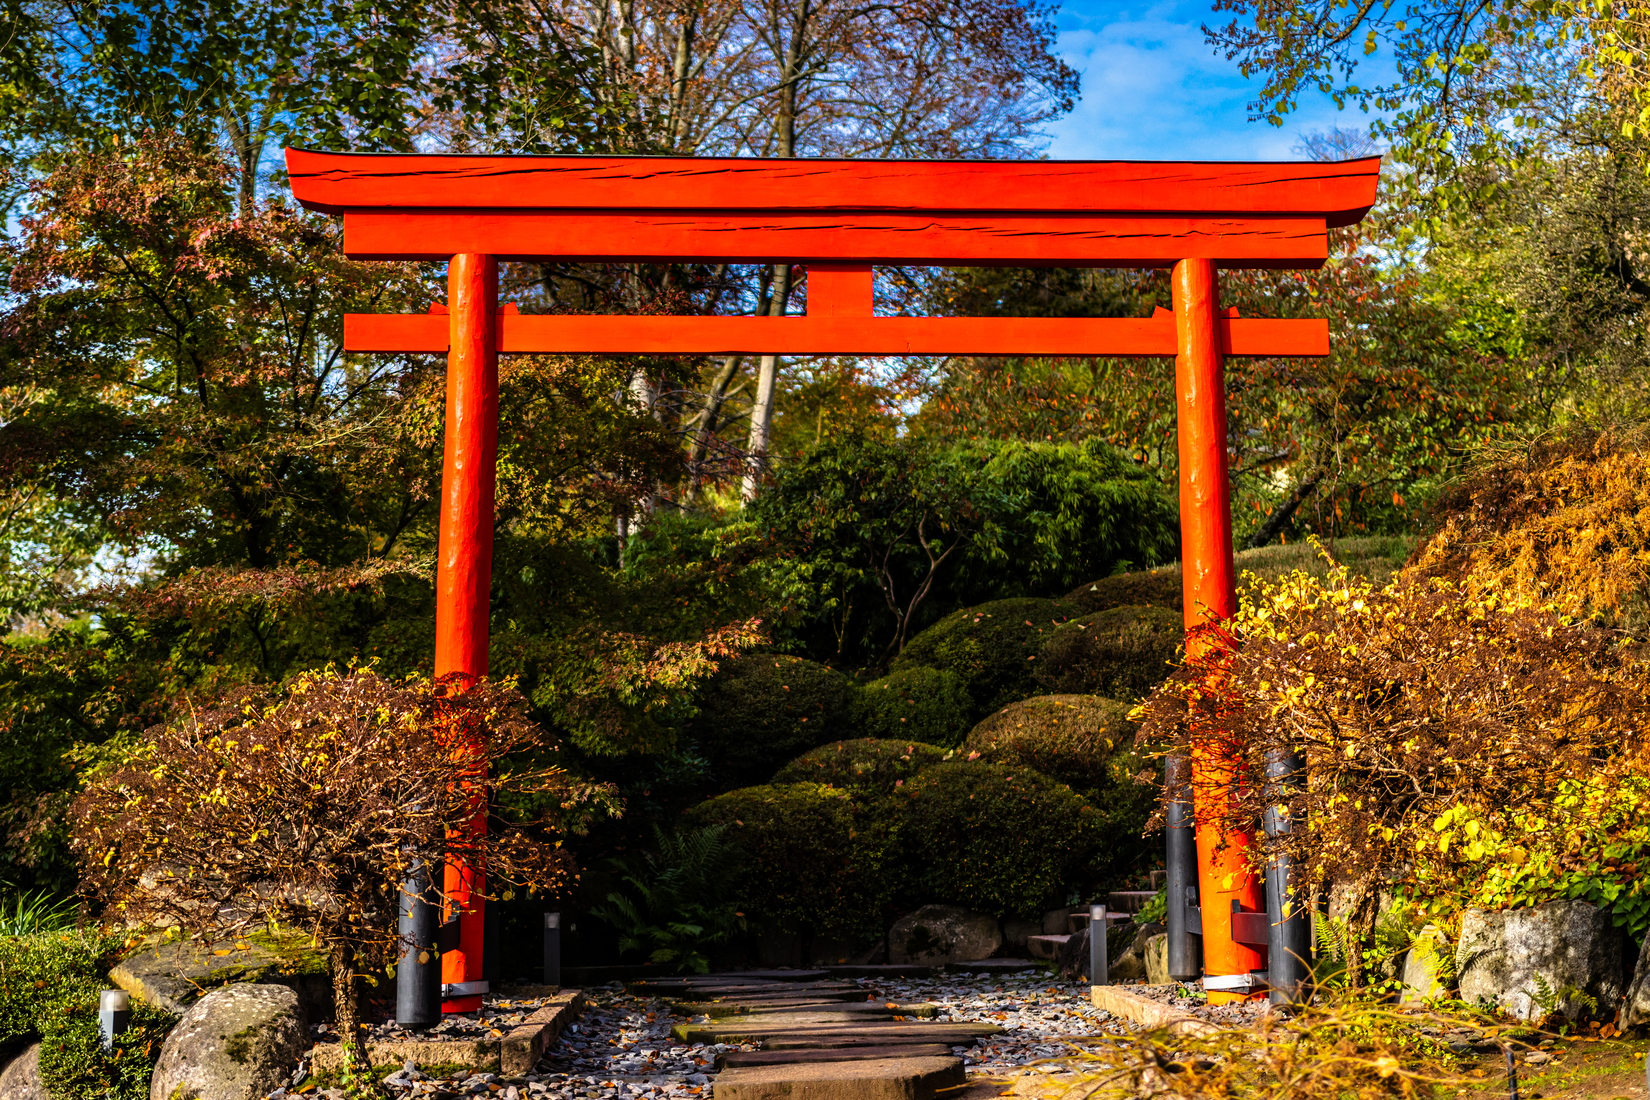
x=464, y=573
x=1209, y=596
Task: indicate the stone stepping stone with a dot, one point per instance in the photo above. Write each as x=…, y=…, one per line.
x=829, y=1054
x=865, y=1009
x=884, y=970
x=917, y=1078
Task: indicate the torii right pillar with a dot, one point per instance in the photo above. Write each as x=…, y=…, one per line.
x=1226, y=884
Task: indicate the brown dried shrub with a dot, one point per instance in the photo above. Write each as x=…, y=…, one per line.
x=1563, y=521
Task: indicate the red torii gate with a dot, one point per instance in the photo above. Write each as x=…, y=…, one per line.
x=840, y=218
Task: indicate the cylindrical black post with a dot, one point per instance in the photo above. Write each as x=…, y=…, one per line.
x=418, y=970
x=1099, y=964
x=1289, y=925
x=552, y=949
x=1185, y=949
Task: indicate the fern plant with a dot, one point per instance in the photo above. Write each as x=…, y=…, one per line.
x=671, y=905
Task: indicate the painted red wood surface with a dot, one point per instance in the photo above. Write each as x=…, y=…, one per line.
x=1341, y=192
x=464, y=566
x=1065, y=240
x=839, y=334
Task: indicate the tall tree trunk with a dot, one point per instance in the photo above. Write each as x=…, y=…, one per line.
x=1284, y=512
x=767, y=377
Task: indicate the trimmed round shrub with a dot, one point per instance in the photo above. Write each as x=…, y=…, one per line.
x=925, y=704
x=763, y=709
x=803, y=861
x=1143, y=587
x=998, y=839
x=1066, y=737
x=1122, y=653
x=1087, y=742
x=865, y=765
x=992, y=648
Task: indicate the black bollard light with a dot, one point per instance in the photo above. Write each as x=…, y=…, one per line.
x=552, y=949
x=114, y=1013
x=1099, y=964
x=418, y=970
x=1180, y=889
x=1289, y=928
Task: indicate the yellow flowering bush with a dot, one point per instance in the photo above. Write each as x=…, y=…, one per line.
x=1455, y=748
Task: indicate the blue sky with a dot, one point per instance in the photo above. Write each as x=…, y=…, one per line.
x=1153, y=89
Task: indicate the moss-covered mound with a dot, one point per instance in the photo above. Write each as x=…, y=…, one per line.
x=998, y=839
x=1122, y=652
x=1144, y=587
x=866, y=766
x=925, y=704
x=805, y=860
x=763, y=709
x=992, y=648
x=1066, y=737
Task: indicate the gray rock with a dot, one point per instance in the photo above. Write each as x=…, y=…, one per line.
x=20, y=1080
x=1017, y=932
x=1157, y=959
x=173, y=976
x=1559, y=958
x=941, y=934
x=1424, y=963
x=236, y=1043
x=1130, y=963
x=1636, y=1012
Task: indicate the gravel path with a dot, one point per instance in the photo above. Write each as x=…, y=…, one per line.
x=621, y=1047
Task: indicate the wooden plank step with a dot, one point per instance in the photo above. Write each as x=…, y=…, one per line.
x=823, y=1034
x=828, y=1054
x=917, y=1078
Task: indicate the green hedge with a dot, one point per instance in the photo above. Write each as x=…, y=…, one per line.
x=1123, y=653
x=763, y=709
x=921, y=703
x=998, y=839
x=865, y=766
x=49, y=988
x=993, y=648
x=806, y=860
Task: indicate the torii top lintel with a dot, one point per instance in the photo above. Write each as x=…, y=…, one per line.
x=641, y=209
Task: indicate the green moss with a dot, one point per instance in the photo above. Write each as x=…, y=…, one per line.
x=919, y=703
x=991, y=648
x=1003, y=840
x=1122, y=652
x=763, y=709
x=866, y=766
x=1142, y=588
x=807, y=859
x=238, y=1047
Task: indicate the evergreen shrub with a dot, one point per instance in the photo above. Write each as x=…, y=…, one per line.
x=992, y=648
x=919, y=703
x=1142, y=587
x=866, y=766
x=1122, y=652
x=762, y=709
x=1003, y=840
x=1087, y=742
x=50, y=983
x=804, y=863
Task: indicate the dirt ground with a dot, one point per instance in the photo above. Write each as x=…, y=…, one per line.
x=1579, y=1069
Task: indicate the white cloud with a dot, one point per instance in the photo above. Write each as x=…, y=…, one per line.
x=1153, y=89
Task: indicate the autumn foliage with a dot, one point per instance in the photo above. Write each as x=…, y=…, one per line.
x=1456, y=748
x=308, y=806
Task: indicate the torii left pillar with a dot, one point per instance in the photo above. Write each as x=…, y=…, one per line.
x=464, y=573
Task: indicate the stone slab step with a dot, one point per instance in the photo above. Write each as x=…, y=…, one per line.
x=869, y=1079
x=992, y=966
x=1080, y=920
x=981, y=1088
x=1046, y=947
x=847, y=994
x=828, y=1054
x=718, y=1010
x=1128, y=901
x=884, y=970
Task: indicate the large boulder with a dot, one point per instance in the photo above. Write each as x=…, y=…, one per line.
x=236, y=1043
x=1424, y=964
x=1130, y=963
x=173, y=975
x=1636, y=1012
x=20, y=1080
x=1157, y=959
x=938, y=934
x=1561, y=958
